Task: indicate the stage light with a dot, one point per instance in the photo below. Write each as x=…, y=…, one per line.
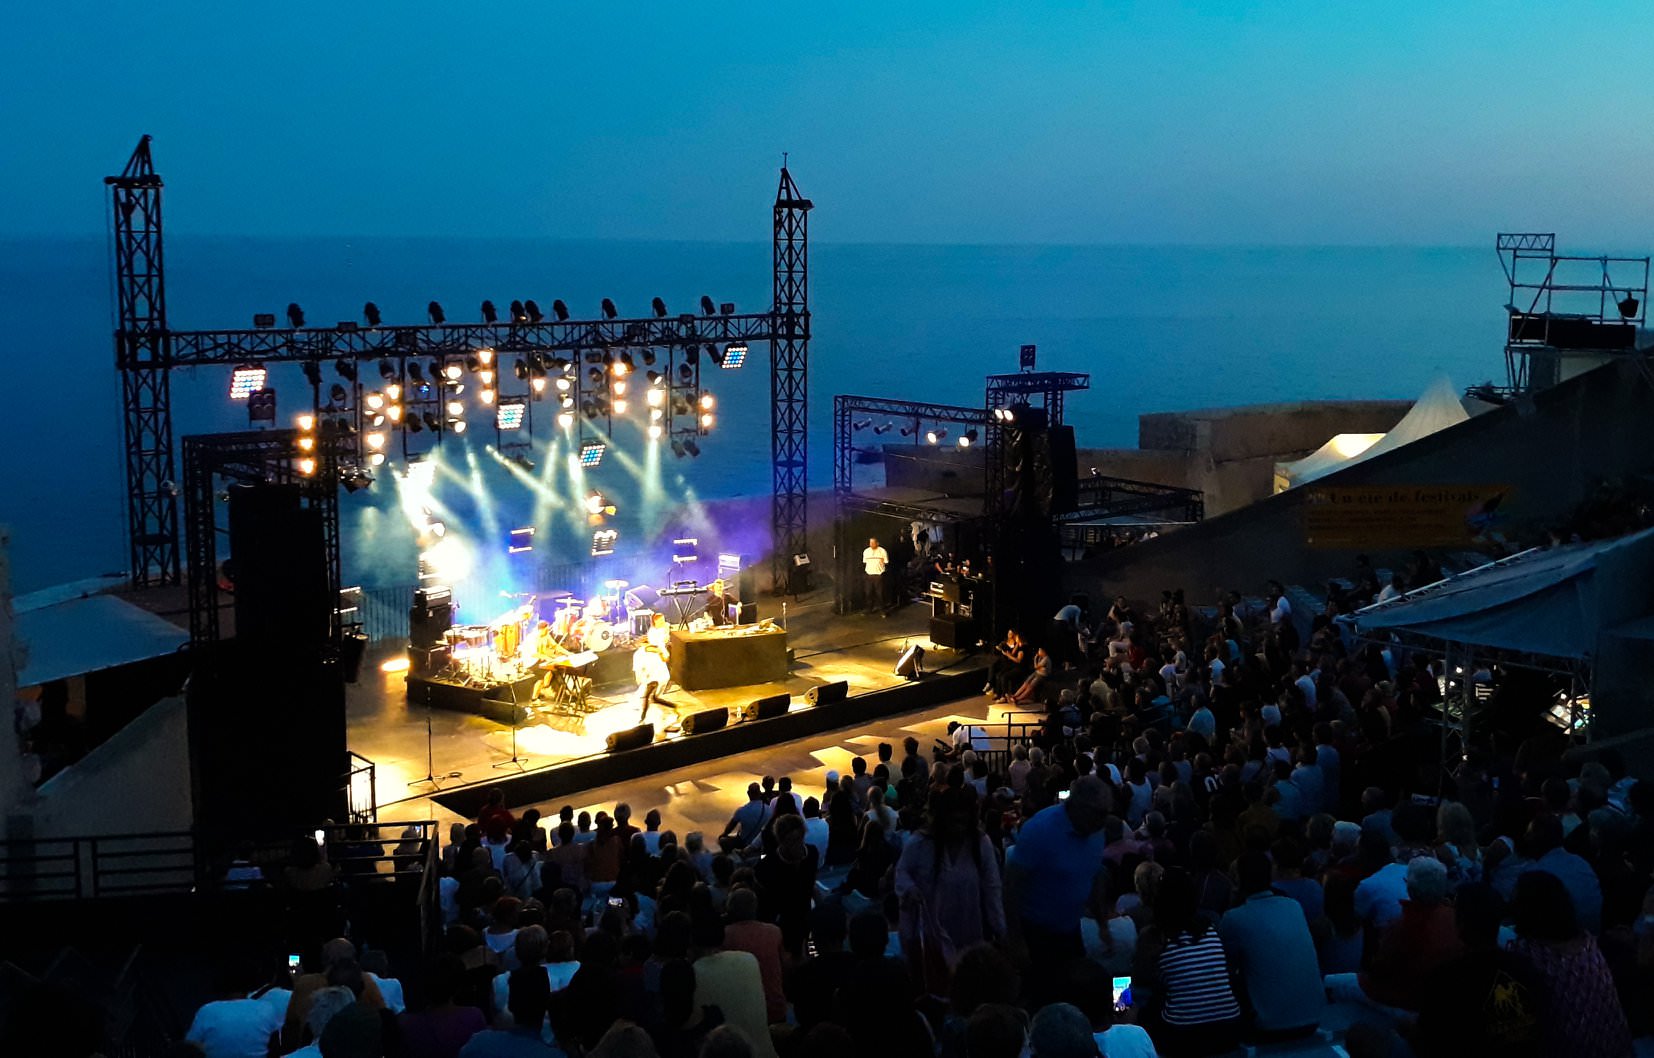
x=394, y=412
x=564, y=383
x=264, y=320
x=517, y=313
x=433, y=421
x=594, y=375
x=706, y=421
x=415, y=372
x=618, y=387
x=452, y=372
x=337, y=396
x=1628, y=306
x=681, y=405
x=707, y=402
x=485, y=395
x=415, y=424
x=596, y=504
x=565, y=419
x=967, y=438
x=691, y=447
x=659, y=306
x=375, y=441
x=307, y=466
x=457, y=425
x=910, y=431
x=510, y=414
x=434, y=311
x=486, y=377
x=620, y=368
x=370, y=313
x=620, y=407
x=401, y=664
x=489, y=313
x=589, y=409
x=884, y=429
x=539, y=384
x=735, y=354
x=609, y=311
x=591, y=453
x=374, y=401
x=376, y=459
x=295, y=315
x=393, y=392
x=519, y=367
x=626, y=358
x=603, y=542
x=346, y=369
x=707, y=307
x=245, y=379
x=692, y=354
x=306, y=422
x=560, y=310
x=654, y=431
x=686, y=373
x=387, y=368
x=532, y=311
x=677, y=448
x=861, y=424
x=649, y=358
x=933, y=436
x=312, y=372
x=307, y=443
x=456, y=408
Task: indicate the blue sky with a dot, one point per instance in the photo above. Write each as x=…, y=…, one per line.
x=963, y=121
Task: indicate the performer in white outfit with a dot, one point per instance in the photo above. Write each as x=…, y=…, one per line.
x=649, y=666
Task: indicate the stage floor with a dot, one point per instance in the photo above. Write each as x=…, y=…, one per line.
x=467, y=749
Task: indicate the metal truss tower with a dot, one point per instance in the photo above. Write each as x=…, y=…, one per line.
x=143, y=355
x=789, y=381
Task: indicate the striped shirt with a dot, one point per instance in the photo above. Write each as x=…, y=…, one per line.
x=1196, y=979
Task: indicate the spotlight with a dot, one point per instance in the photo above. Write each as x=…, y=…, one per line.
x=691, y=447
x=432, y=421
x=735, y=354
x=337, y=397
x=245, y=379
x=307, y=467
x=415, y=425
x=346, y=369
x=677, y=448
x=620, y=407
x=618, y=387
x=395, y=412
x=387, y=368
x=295, y=315
x=456, y=408
x=560, y=310
x=659, y=306
x=453, y=371
x=375, y=441
x=376, y=459
x=591, y=453
x=486, y=377
x=884, y=429
x=692, y=354
x=707, y=307
x=510, y=415
x=967, y=438
x=486, y=395
x=517, y=313
x=489, y=313
x=597, y=505
x=590, y=409
x=626, y=359
x=434, y=311
x=370, y=313
x=649, y=358
x=707, y=402
x=313, y=372
x=264, y=320
x=706, y=421
x=594, y=375
x=609, y=311
x=374, y=401
x=457, y=425
x=415, y=372
x=861, y=424
x=686, y=373
x=655, y=397
x=532, y=311
x=603, y=542
x=654, y=431
x=934, y=436
x=307, y=443
x=306, y=422
x=563, y=383
x=261, y=406
x=910, y=431
x=1628, y=307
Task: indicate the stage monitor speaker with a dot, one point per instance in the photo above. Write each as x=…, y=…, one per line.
x=953, y=631
x=641, y=597
x=705, y=720
x=766, y=708
x=911, y=662
x=426, y=661
x=828, y=693
x=631, y=738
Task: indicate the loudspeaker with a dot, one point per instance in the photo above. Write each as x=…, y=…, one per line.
x=828, y=693
x=427, y=623
x=641, y=597
x=952, y=631
x=632, y=738
x=705, y=720
x=426, y=661
x=354, y=645
x=280, y=562
x=911, y=662
x=766, y=708
x=1064, y=470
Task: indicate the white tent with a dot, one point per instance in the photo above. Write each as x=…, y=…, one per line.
x=1436, y=409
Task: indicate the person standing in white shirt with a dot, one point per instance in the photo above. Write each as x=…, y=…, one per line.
x=874, y=561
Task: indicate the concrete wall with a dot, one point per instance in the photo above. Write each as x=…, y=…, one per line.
x=1549, y=450
x=137, y=781
x=1257, y=430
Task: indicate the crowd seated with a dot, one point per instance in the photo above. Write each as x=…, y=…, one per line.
x=1214, y=835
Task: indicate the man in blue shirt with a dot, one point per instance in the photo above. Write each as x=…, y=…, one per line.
x=1051, y=873
x=529, y=995
x=1269, y=944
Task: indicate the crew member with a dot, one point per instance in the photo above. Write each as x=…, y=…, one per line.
x=649, y=666
x=874, y=561
x=721, y=608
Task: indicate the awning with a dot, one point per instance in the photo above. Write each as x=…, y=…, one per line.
x=1436, y=409
x=89, y=634
x=1553, y=602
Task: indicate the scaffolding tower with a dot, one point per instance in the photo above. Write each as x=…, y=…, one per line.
x=1567, y=313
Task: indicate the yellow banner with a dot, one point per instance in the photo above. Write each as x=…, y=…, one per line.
x=1372, y=517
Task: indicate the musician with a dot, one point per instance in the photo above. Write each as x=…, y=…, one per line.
x=547, y=652
x=721, y=607
x=649, y=666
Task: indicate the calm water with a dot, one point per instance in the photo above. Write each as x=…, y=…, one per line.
x=1158, y=328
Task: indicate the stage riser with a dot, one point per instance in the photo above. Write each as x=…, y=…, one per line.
x=569, y=781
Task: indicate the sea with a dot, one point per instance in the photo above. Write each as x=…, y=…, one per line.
x=1159, y=328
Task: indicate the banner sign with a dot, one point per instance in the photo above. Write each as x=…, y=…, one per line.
x=1374, y=517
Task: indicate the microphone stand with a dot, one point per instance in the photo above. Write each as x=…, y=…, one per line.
x=515, y=761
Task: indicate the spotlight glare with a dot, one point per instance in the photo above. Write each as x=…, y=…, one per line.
x=245, y=379
x=591, y=453
x=307, y=444
x=456, y=408
x=395, y=412
x=654, y=431
x=377, y=459
x=620, y=407
x=707, y=402
x=452, y=372
x=307, y=467
x=458, y=425
x=655, y=397
x=307, y=422
x=706, y=421
x=374, y=401
x=618, y=388
x=375, y=441
x=485, y=355
x=393, y=392
x=565, y=420
x=486, y=395
x=562, y=384
x=539, y=384
x=486, y=377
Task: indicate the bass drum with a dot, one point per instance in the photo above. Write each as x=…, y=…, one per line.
x=597, y=639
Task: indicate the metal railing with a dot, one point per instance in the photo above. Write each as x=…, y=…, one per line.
x=362, y=789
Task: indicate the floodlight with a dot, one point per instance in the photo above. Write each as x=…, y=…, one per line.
x=375, y=441
x=707, y=402
x=565, y=419
x=489, y=313
x=510, y=414
x=532, y=311
x=591, y=453
x=967, y=438
x=245, y=379
x=659, y=306
x=295, y=315
x=434, y=311
x=456, y=407
x=609, y=311
x=706, y=421
x=518, y=315
x=560, y=310
x=374, y=401
x=707, y=307
x=735, y=354
x=933, y=436
x=370, y=313
x=691, y=447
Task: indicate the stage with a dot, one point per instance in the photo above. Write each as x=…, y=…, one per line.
x=560, y=755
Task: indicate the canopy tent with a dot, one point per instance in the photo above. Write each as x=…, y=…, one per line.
x=1436, y=409
x=73, y=637
x=1553, y=602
